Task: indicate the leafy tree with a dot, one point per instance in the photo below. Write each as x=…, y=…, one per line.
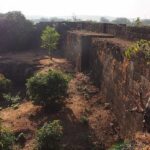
x=16, y=31
x=49, y=39
x=138, y=22
x=104, y=20
x=75, y=19
x=146, y=22
x=122, y=21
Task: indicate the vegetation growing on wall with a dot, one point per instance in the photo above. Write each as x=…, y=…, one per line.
x=140, y=51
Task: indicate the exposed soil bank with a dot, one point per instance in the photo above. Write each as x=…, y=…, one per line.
x=19, y=66
x=121, y=81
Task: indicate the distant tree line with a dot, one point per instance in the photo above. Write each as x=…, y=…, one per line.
x=16, y=32
x=136, y=22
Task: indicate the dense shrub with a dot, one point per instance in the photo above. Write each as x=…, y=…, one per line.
x=49, y=136
x=140, y=51
x=5, y=85
x=84, y=120
x=6, y=139
x=11, y=100
x=122, y=145
x=47, y=88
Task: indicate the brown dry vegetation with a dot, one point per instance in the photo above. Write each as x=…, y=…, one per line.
x=84, y=99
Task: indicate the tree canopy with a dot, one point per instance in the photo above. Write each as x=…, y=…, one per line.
x=138, y=22
x=16, y=31
x=122, y=21
x=104, y=20
x=49, y=38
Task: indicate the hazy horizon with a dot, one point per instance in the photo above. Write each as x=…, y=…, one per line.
x=49, y=8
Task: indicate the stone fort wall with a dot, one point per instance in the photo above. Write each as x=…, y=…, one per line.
x=121, y=31
x=121, y=81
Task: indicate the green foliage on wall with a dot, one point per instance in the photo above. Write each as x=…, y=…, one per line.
x=139, y=51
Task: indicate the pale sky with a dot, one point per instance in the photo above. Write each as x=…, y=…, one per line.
x=48, y=8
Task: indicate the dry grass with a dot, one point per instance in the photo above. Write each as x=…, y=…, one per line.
x=83, y=99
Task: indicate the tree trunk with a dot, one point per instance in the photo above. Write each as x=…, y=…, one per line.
x=50, y=55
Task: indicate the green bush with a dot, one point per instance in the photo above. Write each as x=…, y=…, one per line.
x=122, y=145
x=11, y=100
x=5, y=85
x=6, y=139
x=139, y=51
x=84, y=120
x=47, y=88
x=49, y=136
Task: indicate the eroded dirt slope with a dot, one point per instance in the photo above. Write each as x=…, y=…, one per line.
x=84, y=100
